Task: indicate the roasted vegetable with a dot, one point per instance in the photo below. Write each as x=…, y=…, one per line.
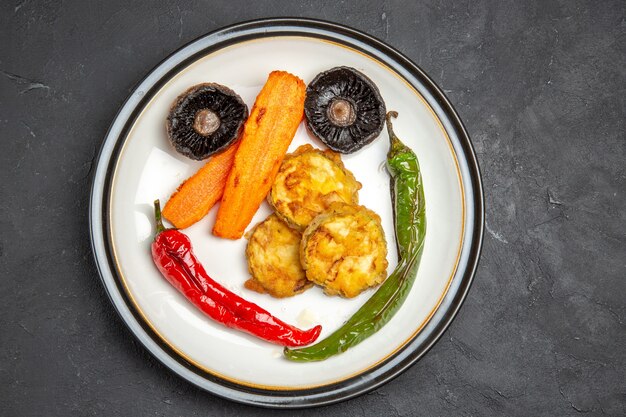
x=273, y=122
x=273, y=254
x=205, y=119
x=194, y=198
x=344, y=109
x=308, y=181
x=344, y=250
x=407, y=194
x=173, y=256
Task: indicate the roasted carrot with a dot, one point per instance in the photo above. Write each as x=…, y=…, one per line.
x=194, y=198
x=273, y=122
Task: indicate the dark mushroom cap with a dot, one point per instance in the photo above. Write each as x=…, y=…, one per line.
x=205, y=119
x=344, y=109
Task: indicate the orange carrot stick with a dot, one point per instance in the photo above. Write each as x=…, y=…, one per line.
x=194, y=198
x=273, y=122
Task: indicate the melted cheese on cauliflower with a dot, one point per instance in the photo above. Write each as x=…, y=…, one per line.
x=344, y=250
x=274, y=259
x=308, y=182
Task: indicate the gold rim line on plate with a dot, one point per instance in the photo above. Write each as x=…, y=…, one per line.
x=179, y=351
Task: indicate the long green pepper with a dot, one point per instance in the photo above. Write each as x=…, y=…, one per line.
x=407, y=194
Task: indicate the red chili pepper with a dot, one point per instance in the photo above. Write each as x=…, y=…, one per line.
x=173, y=255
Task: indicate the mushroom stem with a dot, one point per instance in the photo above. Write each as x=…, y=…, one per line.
x=341, y=112
x=206, y=122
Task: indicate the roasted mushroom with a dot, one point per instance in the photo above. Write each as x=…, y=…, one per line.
x=205, y=119
x=344, y=109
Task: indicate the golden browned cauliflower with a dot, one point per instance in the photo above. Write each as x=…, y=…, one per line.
x=308, y=181
x=344, y=250
x=274, y=259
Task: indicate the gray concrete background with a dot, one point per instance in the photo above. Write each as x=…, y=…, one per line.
x=540, y=86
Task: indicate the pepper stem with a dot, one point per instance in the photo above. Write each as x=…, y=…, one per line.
x=157, y=215
x=395, y=144
x=391, y=114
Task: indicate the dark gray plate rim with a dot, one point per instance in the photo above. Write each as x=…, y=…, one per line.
x=470, y=177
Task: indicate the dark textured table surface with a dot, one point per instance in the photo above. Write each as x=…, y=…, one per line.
x=540, y=86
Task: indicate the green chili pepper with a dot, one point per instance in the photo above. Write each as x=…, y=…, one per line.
x=407, y=194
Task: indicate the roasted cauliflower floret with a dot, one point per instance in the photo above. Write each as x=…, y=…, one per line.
x=344, y=250
x=308, y=181
x=274, y=259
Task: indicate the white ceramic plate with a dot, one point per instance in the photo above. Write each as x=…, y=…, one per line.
x=137, y=164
